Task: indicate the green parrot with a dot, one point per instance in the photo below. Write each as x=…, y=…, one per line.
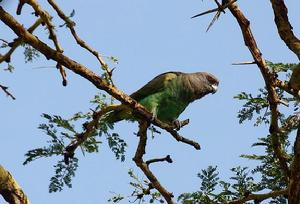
x=168, y=94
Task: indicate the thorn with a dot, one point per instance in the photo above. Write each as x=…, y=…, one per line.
x=283, y=102
x=244, y=63
x=20, y=6
x=111, y=72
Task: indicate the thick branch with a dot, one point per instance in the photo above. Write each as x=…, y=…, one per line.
x=89, y=75
x=259, y=197
x=10, y=189
x=270, y=82
x=284, y=27
x=294, y=185
x=138, y=159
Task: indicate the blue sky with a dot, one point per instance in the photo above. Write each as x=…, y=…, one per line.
x=148, y=38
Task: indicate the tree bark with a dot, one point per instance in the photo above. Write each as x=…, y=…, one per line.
x=10, y=189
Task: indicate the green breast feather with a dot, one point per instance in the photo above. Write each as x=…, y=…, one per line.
x=164, y=105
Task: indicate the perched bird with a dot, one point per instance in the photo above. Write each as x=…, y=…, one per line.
x=168, y=94
x=294, y=82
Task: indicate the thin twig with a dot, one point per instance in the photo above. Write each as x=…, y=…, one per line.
x=70, y=24
x=52, y=36
x=167, y=159
x=259, y=197
x=89, y=129
x=20, y=6
x=4, y=88
x=138, y=159
x=17, y=42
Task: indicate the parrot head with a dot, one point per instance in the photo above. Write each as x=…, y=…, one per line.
x=201, y=84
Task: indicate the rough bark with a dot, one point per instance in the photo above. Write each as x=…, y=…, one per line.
x=284, y=27
x=138, y=159
x=10, y=189
x=294, y=185
x=270, y=82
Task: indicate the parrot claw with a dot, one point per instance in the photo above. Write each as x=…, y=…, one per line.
x=177, y=124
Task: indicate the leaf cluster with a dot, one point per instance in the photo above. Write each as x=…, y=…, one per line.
x=142, y=192
x=62, y=132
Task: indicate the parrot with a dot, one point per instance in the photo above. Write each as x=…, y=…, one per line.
x=167, y=95
x=294, y=82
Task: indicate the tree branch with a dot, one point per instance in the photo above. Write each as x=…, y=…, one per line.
x=17, y=42
x=138, y=159
x=259, y=197
x=167, y=159
x=284, y=27
x=89, y=129
x=89, y=75
x=270, y=81
x=10, y=189
x=70, y=24
x=284, y=86
x=294, y=185
x=4, y=88
x=47, y=19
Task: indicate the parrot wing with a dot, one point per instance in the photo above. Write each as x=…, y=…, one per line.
x=155, y=85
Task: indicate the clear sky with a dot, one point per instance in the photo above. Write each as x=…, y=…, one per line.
x=148, y=38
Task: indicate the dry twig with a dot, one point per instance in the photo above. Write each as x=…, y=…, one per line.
x=167, y=159
x=17, y=42
x=138, y=159
x=71, y=25
x=4, y=88
x=52, y=36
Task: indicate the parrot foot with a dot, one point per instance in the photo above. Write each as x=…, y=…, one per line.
x=177, y=124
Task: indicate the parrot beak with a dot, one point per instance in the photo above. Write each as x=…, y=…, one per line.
x=215, y=88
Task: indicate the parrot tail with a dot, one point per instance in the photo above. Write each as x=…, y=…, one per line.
x=113, y=117
x=118, y=115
